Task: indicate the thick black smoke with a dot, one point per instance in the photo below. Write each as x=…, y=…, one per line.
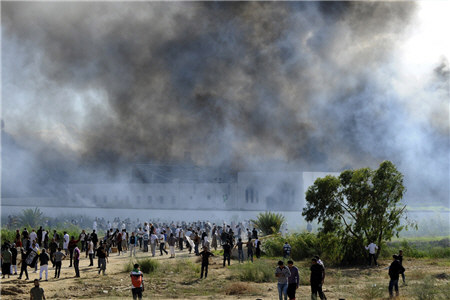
x=297, y=85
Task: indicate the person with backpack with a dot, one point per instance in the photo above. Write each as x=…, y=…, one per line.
x=137, y=282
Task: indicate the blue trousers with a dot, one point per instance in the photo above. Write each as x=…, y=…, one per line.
x=282, y=290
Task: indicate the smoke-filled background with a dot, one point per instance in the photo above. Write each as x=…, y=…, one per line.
x=89, y=89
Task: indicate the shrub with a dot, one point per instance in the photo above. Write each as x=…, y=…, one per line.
x=239, y=288
x=268, y=222
x=147, y=265
x=32, y=218
x=372, y=291
x=259, y=271
x=303, y=245
x=426, y=290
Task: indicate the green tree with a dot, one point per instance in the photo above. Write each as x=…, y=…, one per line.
x=359, y=207
x=268, y=222
x=32, y=218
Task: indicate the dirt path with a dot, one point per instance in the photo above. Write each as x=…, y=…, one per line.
x=170, y=283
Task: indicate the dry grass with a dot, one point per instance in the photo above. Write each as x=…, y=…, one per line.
x=239, y=288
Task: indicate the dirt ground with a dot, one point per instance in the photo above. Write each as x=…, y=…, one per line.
x=168, y=282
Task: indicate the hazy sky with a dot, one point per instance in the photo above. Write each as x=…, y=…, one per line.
x=298, y=85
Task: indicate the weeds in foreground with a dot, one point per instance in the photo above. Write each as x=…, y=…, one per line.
x=239, y=288
x=259, y=271
x=146, y=265
x=372, y=291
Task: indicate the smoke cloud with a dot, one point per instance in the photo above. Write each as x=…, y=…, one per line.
x=91, y=88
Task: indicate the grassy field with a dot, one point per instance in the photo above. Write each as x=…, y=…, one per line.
x=179, y=279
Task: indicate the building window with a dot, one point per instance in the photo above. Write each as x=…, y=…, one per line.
x=250, y=194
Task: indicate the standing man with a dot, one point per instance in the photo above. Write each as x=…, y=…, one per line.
x=372, y=253
x=101, y=254
x=57, y=258
x=205, y=254
x=395, y=269
x=76, y=261
x=133, y=244
x=6, y=260
x=145, y=238
x=282, y=273
x=400, y=259
x=72, y=244
x=43, y=258
x=82, y=239
x=293, y=280
x=171, y=241
x=240, y=250
x=250, y=250
x=37, y=293
x=90, y=246
x=317, y=278
x=286, y=250
x=94, y=239
x=137, y=281
x=66, y=243
x=226, y=253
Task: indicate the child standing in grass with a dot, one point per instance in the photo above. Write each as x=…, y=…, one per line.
x=137, y=281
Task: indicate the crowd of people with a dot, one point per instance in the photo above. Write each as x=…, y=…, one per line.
x=42, y=247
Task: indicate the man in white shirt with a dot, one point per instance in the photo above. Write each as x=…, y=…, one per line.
x=33, y=236
x=44, y=233
x=153, y=242
x=66, y=243
x=372, y=253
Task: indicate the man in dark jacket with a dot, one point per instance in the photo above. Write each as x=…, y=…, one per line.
x=205, y=254
x=317, y=278
x=395, y=269
x=72, y=245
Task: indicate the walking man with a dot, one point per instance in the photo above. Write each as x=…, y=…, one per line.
x=137, y=281
x=317, y=278
x=395, y=269
x=282, y=273
x=293, y=281
x=37, y=293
